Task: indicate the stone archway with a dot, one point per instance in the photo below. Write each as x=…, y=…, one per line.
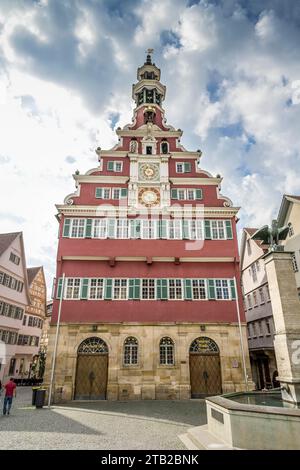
x=205, y=369
x=91, y=370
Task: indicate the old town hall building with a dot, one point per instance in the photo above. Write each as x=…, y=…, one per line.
x=149, y=250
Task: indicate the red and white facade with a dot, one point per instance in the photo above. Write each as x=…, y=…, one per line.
x=149, y=250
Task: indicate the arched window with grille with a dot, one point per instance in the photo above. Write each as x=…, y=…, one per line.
x=166, y=351
x=131, y=351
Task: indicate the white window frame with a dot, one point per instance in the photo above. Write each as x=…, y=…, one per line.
x=122, y=229
x=99, y=226
x=148, y=229
x=80, y=226
x=183, y=194
x=262, y=296
x=118, y=191
x=218, y=229
x=173, y=288
x=72, y=287
x=225, y=287
x=199, y=288
x=118, y=162
x=193, y=191
x=196, y=229
x=147, y=287
x=96, y=288
x=176, y=226
x=121, y=280
x=109, y=192
x=254, y=272
x=181, y=166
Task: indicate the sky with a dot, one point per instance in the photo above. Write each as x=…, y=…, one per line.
x=232, y=71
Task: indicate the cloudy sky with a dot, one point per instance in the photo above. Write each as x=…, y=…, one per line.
x=232, y=71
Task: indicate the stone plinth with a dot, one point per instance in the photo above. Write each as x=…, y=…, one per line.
x=286, y=313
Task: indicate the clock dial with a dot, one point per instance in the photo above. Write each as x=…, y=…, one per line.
x=149, y=171
x=149, y=196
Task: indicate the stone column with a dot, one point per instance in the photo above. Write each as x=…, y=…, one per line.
x=286, y=313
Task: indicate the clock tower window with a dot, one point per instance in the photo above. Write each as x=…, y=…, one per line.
x=164, y=147
x=149, y=150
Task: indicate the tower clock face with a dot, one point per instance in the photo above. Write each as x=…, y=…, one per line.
x=149, y=197
x=149, y=171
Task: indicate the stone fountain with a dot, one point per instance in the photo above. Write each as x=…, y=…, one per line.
x=263, y=420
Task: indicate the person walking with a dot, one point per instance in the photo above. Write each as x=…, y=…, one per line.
x=10, y=392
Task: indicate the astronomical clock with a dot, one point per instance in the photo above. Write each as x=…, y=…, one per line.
x=148, y=171
x=149, y=197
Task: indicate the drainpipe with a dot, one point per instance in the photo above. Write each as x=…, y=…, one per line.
x=56, y=340
x=241, y=335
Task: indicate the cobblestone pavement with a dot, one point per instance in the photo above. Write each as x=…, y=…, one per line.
x=99, y=425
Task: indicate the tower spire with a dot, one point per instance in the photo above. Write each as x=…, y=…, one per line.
x=149, y=53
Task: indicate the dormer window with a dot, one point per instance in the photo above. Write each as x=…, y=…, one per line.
x=164, y=147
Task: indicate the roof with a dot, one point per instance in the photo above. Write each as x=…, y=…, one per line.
x=31, y=273
x=285, y=203
x=6, y=240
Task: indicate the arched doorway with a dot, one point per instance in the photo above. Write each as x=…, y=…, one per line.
x=91, y=370
x=205, y=369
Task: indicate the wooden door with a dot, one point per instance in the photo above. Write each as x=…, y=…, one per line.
x=91, y=377
x=205, y=373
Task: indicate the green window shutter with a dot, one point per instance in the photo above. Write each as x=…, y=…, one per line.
x=232, y=289
x=134, y=289
x=163, y=228
x=110, y=166
x=67, y=225
x=111, y=228
x=198, y=193
x=108, y=289
x=228, y=229
x=211, y=289
x=185, y=229
x=131, y=289
x=187, y=167
x=84, y=289
x=123, y=192
x=188, y=289
x=174, y=194
x=207, y=230
x=98, y=193
x=158, y=289
x=59, y=288
x=88, y=228
x=164, y=289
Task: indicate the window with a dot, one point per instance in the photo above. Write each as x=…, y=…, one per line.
x=164, y=147
x=183, y=167
x=249, y=250
x=1, y=277
x=255, y=299
x=268, y=292
x=175, y=289
x=166, y=351
x=116, y=192
x=196, y=229
x=106, y=193
x=73, y=288
x=114, y=166
x=149, y=228
x=217, y=229
x=249, y=301
x=268, y=326
x=149, y=150
x=14, y=258
x=78, y=227
x=100, y=228
x=291, y=229
x=181, y=194
x=248, y=330
x=24, y=320
x=294, y=263
x=148, y=289
x=7, y=280
x=96, y=289
x=222, y=290
x=199, y=290
x=262, y=295
x=130, y=351
x=259, y=327
x=12, y=366
x=174, y=229
x=253, y=272
x=122, y=228
x=120, y=289
x=191, y=194
x=21, y=366
x=30, y=321
x=257, y=266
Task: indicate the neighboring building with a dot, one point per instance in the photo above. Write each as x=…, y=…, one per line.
x=289, y=214
x=259, y=315
x=33, y=320
x=14, y=297
x=149, y=307
x=46, y=327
